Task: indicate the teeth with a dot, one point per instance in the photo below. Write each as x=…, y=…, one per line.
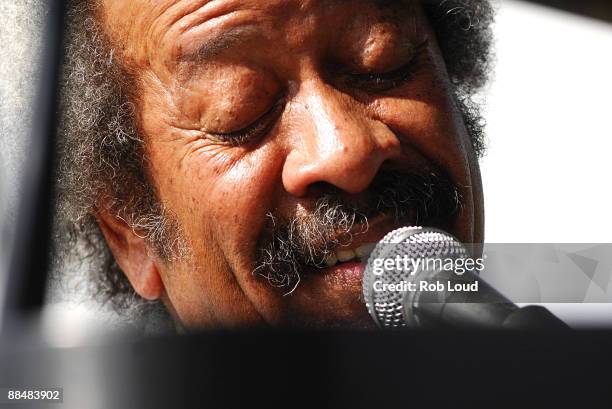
x=345, y=255
x=331, y=260
x=364, y=251
x=361, y=252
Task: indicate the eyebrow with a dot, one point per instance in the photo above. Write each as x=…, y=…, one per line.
x=219, y=42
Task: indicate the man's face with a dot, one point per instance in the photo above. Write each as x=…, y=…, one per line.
x=253, y=111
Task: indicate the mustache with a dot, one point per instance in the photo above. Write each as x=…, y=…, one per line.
x=289, y=246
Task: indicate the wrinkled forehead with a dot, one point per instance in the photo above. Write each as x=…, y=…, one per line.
x=178, y=27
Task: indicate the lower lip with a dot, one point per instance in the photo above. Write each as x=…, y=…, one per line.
x=345, y=273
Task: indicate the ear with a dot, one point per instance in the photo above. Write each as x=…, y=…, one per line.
x=132, y=255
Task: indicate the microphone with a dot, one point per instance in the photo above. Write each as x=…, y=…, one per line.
x=419, y=278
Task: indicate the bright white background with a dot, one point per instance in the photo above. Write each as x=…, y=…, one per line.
x=548, y=170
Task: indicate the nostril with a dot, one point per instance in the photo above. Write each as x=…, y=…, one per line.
x=321, y=188
x=389, y=165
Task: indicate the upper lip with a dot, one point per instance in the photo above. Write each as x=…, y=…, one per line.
x=363, y=241
x=375, y=229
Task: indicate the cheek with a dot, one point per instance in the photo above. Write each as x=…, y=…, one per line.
x=225, y=197
x=426, y=119
x=220, y=200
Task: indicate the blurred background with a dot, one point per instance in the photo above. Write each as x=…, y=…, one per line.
x=549, y=123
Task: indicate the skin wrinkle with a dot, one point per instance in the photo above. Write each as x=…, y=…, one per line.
x=219, y=18
x=178, y=19
x=220, y=194
x=213, y=46
x=202, y=15
x=315, y=121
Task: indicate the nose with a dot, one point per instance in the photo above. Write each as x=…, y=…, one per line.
x=337, y=143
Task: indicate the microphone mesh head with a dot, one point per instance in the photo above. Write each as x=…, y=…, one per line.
x=387, y=307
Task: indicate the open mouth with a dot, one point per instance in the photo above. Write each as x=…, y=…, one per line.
x=359, y=249
x=343, y=255
x=364, y=243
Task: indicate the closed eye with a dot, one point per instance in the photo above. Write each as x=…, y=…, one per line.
x=257, y=129
x=380, y=82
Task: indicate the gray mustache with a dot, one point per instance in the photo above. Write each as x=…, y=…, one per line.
x=290, y=246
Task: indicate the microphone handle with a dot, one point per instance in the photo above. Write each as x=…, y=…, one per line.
x=483, y=309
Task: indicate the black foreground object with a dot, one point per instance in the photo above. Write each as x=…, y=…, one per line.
x=326, y=369
x=26, y=269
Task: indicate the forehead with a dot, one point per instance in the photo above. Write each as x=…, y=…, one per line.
x=134, y=12
x=177, y=27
